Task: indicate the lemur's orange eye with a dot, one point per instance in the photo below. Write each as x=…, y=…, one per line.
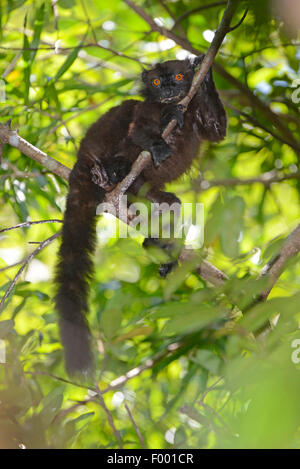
x=179, y=76
x=156, y=82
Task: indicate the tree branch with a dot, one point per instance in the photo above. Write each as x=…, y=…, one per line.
x=253, y=99
x=7, y=135
x=275, y=267
x=34, y=152
x=145, y=157
x=206, y=270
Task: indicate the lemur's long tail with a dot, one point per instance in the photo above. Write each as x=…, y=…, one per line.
x=75, y=268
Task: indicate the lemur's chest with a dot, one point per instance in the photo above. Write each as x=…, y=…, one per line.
x=185, y=145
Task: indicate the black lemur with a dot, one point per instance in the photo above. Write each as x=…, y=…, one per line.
x=110, y=146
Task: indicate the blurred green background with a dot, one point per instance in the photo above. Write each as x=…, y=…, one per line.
x=195, y=369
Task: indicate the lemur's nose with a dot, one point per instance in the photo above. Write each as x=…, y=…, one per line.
x=168, y=92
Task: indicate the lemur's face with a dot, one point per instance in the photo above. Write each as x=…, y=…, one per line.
x=168, y=82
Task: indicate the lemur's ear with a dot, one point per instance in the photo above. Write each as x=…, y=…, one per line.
x=211, y=111
x=144, y=76
x=197, y=60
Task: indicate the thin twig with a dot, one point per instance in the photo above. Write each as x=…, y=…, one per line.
x=59, y=378
x=170, y=13
x=89, y=20
x=140, y=437
x=12, y=64
x=271, y=46
x=266, y=179
x=196, y=10
x=55, y=13
x=109, y=415
x=11, y=266
x=66, y=49
x=240, y=22
x=64, y=412
x=29, y=223
x=74, y=115
x=255, y=122
x=27, y=260
x=207, y=390
x=16, y=173
x=138, y=370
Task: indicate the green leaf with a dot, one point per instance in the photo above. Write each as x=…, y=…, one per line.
x=273, y=248
x=75, y=426
x=214, y=224
x=1, y=35
x=78, y=421
x=180, y=437
x=30, y=344
x=26, y=58
x=194, y=318
x=232, y=226
x=51, y=404
x=53, y=94
x=260, y=313
x=111, y=317
x=67, y=4
x=67, y=63
x=178, y=276
x=38, y=26
x=208, y=360
x=29, y=55
x=172, y=308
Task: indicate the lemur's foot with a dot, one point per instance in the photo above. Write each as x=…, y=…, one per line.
x=165, y=269
x=160, y=151
x=172, y=111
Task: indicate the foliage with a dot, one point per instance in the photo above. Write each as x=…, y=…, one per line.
x=205, y=375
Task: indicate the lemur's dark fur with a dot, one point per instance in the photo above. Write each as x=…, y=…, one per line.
x=111, y=144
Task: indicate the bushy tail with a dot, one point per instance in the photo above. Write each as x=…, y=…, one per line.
x=75, y=268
